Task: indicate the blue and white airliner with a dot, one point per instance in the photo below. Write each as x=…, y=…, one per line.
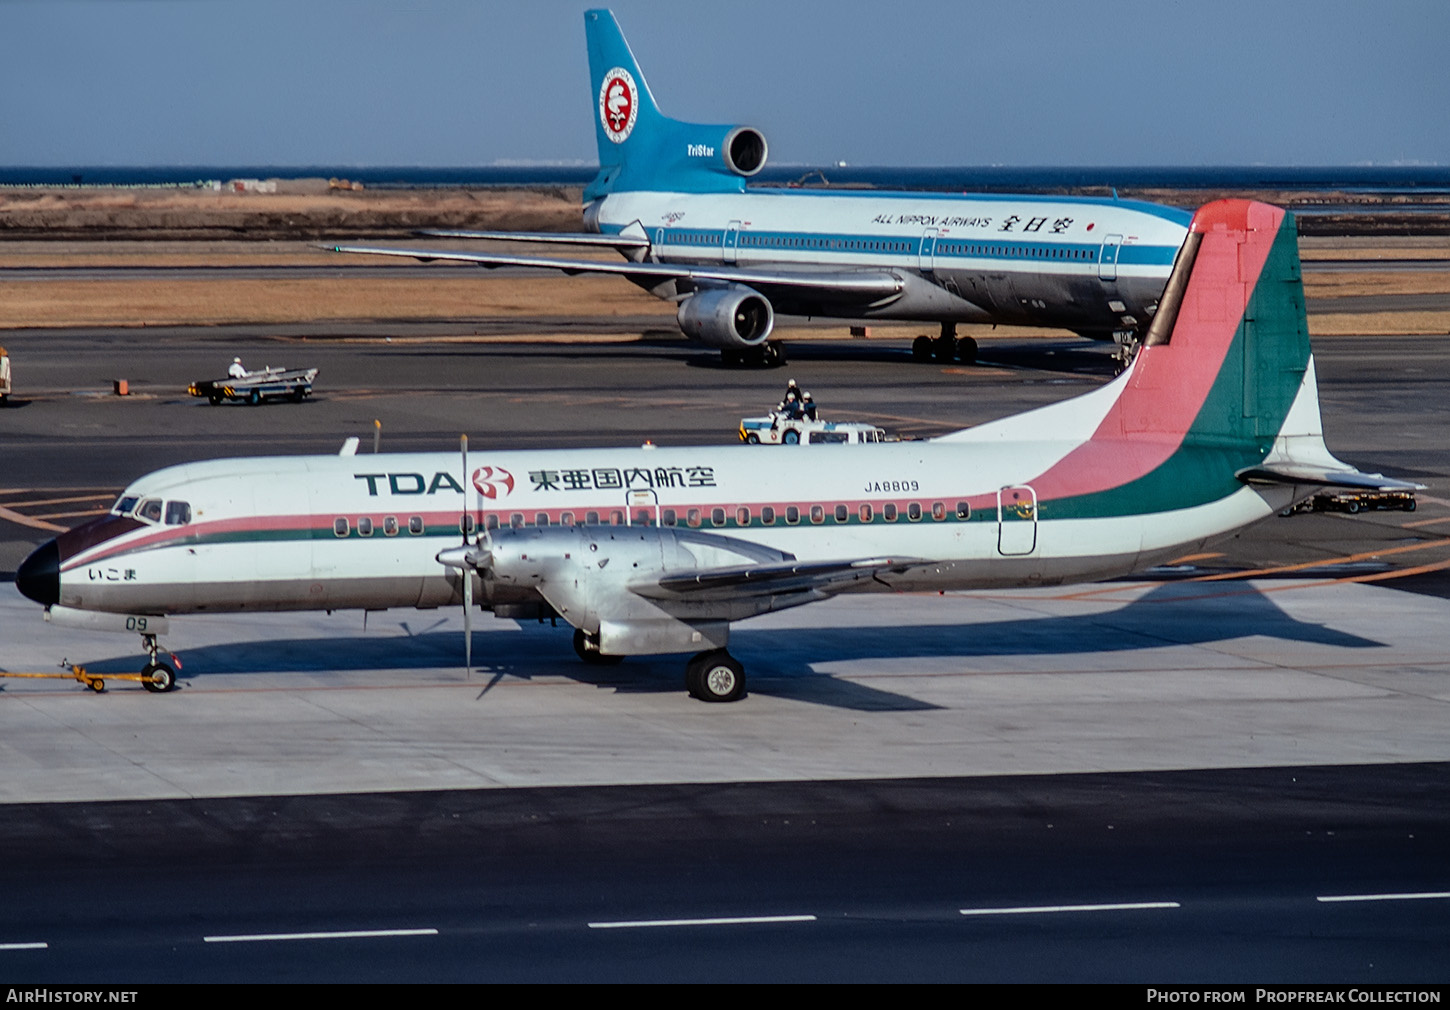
x=674, y=198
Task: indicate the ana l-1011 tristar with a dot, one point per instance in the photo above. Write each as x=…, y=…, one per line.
x=672, y=198
x=1213, y=426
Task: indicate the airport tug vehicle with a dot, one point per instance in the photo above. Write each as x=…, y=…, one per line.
x=269, y=383
x=779, y=429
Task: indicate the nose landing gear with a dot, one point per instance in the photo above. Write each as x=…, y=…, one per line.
x=156, y=676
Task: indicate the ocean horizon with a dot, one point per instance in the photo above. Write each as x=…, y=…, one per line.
x=986, y=178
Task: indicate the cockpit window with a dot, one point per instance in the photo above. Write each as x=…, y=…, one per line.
x=178, y=513
x=150, y=510
x=125, y=504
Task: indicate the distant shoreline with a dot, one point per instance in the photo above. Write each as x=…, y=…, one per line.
x=325, y=207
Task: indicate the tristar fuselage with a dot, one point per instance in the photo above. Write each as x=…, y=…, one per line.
x=1090, y=265
x=645, y=550
x=673, y=198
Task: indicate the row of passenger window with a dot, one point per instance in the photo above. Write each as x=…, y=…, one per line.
x=1051, y=252
x=740, y=516
x=1036, y=251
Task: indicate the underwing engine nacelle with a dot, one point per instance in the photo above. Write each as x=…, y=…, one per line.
x=730, y=317
x=589, y=576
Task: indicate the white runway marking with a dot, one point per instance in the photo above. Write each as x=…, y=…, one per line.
x=1384, y=897
x=351, y=934
x=730, y=921
x=23, y=946
x=1040, y=909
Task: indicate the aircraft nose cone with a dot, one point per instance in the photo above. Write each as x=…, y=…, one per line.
x=38, y=576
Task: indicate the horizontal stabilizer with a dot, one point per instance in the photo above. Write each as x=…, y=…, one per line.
x=1302, y=473
x=551, y=238
x=771, y=579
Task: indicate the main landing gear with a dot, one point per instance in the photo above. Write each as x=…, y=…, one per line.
x=945, y=347
x=156, y=676
x=715, y=676
x=770, y=354
x=710, y=676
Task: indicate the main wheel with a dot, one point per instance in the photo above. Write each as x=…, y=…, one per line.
x=966, y=350
x=921, y=348
x=715, y=676
x=944, y=348
x=163, y=678
x=589, y=652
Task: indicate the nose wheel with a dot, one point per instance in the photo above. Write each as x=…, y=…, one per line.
x=156, y=676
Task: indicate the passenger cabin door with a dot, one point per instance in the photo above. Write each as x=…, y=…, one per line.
x=642, y=508
x=1016, y=521
x=926, y=255
x=1108, y=258
x=732, y=243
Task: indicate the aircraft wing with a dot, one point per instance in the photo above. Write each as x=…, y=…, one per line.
x=551, y=238
x=863, y=286
x=748, y=581
x=1303, y=473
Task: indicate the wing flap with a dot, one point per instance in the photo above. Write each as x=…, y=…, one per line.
x=750, y=581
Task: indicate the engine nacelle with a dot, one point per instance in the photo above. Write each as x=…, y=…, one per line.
x=729, y=317
x=745, y=150
x=588, y=575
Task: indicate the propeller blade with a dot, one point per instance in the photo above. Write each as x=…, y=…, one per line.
x=468, y=623
x=467, y=572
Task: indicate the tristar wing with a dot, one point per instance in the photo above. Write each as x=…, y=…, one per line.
x=750, y=581
x=622, y=241
x=860, y=286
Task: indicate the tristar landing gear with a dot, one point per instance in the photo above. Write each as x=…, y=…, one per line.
x=770, y=354
x=947, y=346
x=715, y=676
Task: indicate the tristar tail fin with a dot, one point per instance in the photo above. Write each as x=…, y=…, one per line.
x=642, y=149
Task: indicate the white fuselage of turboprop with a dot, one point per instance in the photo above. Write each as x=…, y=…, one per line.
x=323, y=532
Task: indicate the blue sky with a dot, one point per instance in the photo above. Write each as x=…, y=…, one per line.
x=890, y=82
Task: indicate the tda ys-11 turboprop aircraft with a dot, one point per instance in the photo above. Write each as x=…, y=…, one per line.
x=1213, y=426
x=672, y=197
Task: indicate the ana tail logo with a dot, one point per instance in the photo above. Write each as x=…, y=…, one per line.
x=490, y=480
x=618, y=104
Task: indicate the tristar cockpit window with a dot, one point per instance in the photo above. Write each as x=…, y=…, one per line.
x=125, y=504
x=150, y=510
x=178, y=513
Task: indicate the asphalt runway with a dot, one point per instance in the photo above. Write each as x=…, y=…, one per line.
x=1313, y=643
x=1268, y=876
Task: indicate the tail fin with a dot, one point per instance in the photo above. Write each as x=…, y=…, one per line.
x=1222, y=392
x=642, y=149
